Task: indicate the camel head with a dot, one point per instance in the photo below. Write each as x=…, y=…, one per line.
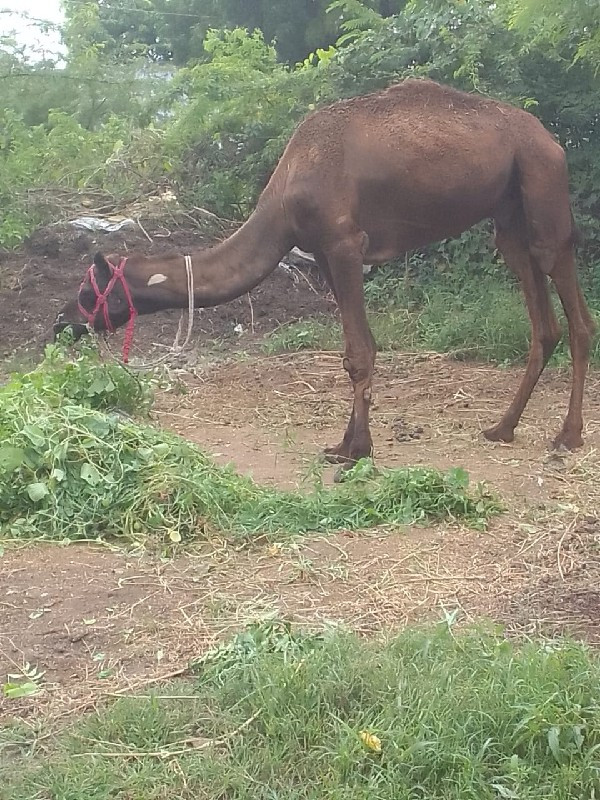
x=107, y=300
x=101, y=302
x=114, y=291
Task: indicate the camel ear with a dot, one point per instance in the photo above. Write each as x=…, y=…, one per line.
x=102, y=269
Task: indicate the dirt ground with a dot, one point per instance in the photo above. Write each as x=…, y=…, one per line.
x=100, y=622
x=38, y=280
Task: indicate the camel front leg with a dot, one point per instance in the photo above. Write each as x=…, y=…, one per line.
x=340, y=453
x=345, y=266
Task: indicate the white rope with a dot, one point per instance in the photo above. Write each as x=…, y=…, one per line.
x=176, y=348
x=190, y=289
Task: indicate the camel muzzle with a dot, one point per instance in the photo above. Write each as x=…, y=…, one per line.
x=78, y=329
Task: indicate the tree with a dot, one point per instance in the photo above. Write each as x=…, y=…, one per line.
x=174, y=30
x=562, y=21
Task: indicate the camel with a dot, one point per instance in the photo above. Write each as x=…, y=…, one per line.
x=363, y=181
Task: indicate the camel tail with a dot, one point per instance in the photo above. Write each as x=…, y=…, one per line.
x=577, y=237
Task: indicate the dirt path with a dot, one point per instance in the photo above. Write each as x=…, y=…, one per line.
x=99, y=621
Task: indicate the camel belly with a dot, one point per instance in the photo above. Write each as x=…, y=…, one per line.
x=397, y=220
x=413, y=191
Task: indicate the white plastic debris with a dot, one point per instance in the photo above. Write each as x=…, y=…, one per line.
x=300, y=258
x=105, y=225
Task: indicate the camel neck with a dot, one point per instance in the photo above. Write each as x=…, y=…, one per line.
x=243, y=260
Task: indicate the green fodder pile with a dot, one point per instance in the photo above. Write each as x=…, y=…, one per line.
x=275, y=713
x=73, y=466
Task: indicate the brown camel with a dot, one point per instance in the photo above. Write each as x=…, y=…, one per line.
x=363, y=181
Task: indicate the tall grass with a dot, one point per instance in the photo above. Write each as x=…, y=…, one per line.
x=486, y=321
x=275, y=714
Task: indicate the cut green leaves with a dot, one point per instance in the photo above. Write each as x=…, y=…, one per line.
x=68, y=470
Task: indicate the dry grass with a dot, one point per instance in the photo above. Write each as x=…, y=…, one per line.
x=547, y=538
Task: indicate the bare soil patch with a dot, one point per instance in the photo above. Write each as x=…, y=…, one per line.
x=36, y=281
x=101, y=622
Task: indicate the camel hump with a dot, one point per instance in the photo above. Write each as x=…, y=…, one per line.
x=402, y=105
x=413, y=81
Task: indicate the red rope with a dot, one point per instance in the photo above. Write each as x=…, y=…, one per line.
x=102, y=302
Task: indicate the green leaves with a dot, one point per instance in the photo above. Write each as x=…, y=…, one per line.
x=90, y=474
x=556, y=21
x=37, y=491
x=79, y=472
x=11, y=458
x=25, y=683
x=14, y=691
x=554, y=743
x=357, y=17
x=88, y=381
x=101, y=385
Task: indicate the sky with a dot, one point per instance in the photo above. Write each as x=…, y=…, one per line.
x=28, y=32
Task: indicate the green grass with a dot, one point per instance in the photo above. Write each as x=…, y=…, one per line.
x=487, y=322
x=73, y=467
x=318, y=333
x=277, y=714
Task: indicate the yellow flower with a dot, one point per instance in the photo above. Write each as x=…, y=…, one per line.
x=370, y=741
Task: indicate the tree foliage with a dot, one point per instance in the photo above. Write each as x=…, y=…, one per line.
x=557, y=21
x=202, y=95
x=174, y=30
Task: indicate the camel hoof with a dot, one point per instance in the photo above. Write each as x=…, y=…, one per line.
x=332, y=455
x=499, y=434
x=567, y=441
x=340, y=471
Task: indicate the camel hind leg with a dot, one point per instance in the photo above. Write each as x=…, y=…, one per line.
x=545, y=331
x=548, y=233
x=552, y=234
x=581, y=330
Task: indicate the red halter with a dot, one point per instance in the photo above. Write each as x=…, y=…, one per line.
x=101, y=302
